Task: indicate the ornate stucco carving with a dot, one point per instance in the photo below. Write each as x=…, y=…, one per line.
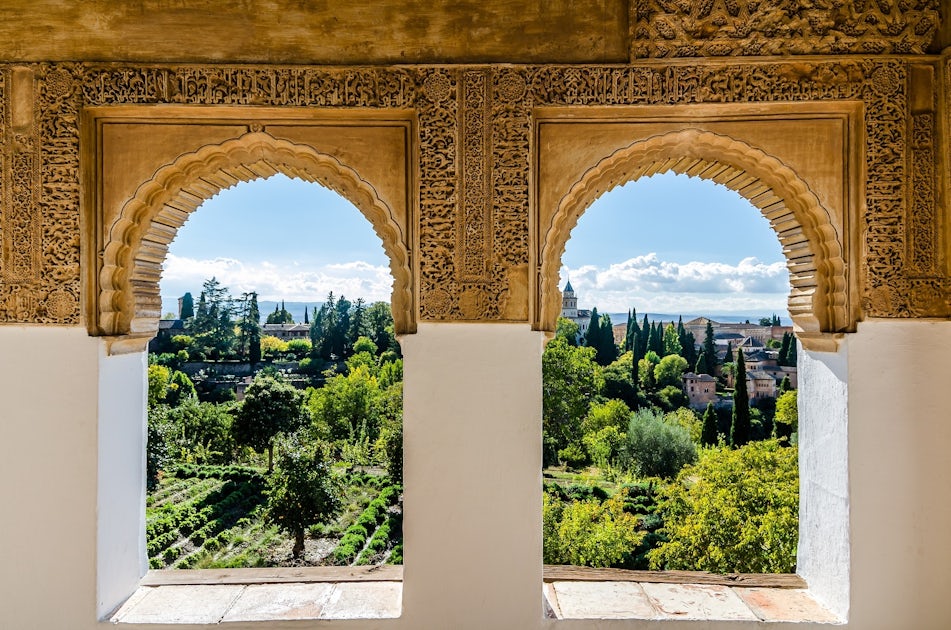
x=474, y=165
x=717, y=28
x=129, y=300
x=819, y=300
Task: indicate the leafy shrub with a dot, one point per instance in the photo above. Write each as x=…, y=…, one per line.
x=733, y=511
x=588, y=533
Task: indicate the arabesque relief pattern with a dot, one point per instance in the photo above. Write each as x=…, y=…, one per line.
x=718, y=28
x=474, y=162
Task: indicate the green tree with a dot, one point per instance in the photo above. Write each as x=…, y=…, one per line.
x=689, y=345
x=159, y=377
x=570, y=380
x=606, y=348
x=670, y=370
x=786, y=419
x=249, y=328
x=201, y=433
x=213, y=326
x=709, y=435
x=791, y=358
x=270, y=407
x=729, y=352
x=380, y=327
x=655, y=448
x=672, y=341
x=180, y=389
x=188, y=306
x=618, y=382
x=280, y=315
x=740, y=428
x=735, y=511
x=610, y=413
x=301, y=493
x=567, y=330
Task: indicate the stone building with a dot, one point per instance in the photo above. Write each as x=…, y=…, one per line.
x=473, y=136
x=700, y=389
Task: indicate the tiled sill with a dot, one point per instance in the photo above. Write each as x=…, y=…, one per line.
x=222, y=596
x=208, y=597
x=582, y=593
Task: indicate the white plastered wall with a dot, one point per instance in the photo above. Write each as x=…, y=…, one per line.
x=473, y=483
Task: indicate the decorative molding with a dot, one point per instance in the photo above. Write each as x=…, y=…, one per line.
x=721, y=28
x=474, y=162
x=819, y=298
x=129, y=299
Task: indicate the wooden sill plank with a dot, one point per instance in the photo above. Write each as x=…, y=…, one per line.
x=277, y=575
x=394, y=573
x=562, y=573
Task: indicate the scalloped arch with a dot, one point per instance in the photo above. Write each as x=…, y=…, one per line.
x=818, y=302
x=129, y=304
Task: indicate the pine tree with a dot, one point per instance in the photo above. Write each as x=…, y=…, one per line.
x=188, y=306
x=708, y=437
x=740, y=429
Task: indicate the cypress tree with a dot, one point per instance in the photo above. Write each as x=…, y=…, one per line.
x=644, y=337
x=729, y=352
x=792, y=357
x=656, y=340
x=701, y=365
x=689, y=348
x=708, y=437
x=784, y=385
x=784, y=349
x=306, y=319
x=633, y=332
x=593, y=334
x=740, y=429
x=188, y=306
x=710, y=350
x=254, y=330
x=606, y=348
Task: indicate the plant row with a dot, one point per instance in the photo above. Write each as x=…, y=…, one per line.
x=355, y=537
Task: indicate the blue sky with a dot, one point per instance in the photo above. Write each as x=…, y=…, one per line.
x=664, y=244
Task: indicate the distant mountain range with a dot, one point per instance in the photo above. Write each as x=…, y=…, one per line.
x=170, y=305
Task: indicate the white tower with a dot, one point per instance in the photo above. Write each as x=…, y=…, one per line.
x=569, y=303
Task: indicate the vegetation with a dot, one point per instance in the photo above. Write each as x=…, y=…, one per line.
x=313, y=451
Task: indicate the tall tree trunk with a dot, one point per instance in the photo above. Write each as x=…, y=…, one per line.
x=298, y=543
x=270, y=457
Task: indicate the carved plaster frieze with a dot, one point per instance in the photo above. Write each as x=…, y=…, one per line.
x=720, y=28
x=475, y=159
x=39, y=209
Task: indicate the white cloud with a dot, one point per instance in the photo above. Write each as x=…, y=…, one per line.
x=278, y=282
x=651, y=284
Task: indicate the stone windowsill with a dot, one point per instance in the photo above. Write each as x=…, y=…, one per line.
x=209, y=597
